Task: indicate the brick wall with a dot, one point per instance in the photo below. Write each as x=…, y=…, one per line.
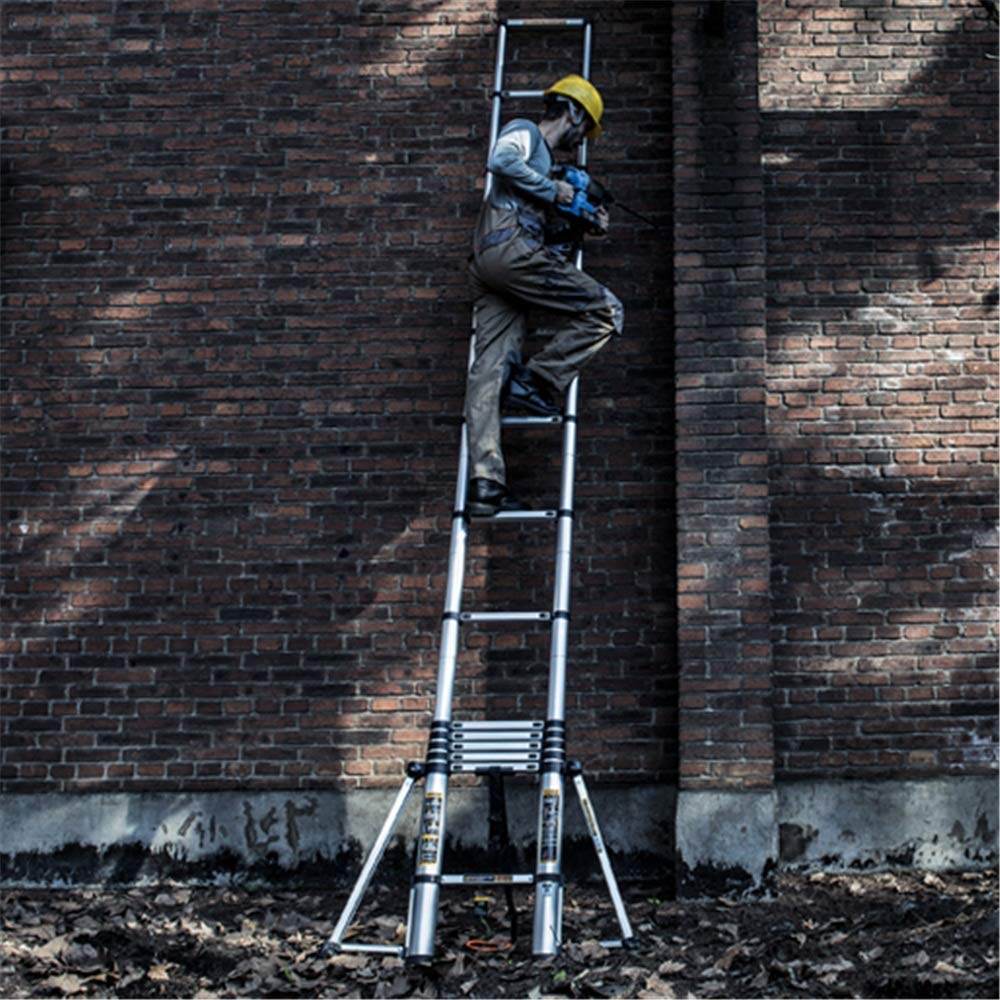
x=722, y=491
x=235, y=332
x=879, y=127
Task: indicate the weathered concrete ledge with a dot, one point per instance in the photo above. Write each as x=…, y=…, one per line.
x=940, y=824
x=724, y=843
x=211, y=835
x=727, y=841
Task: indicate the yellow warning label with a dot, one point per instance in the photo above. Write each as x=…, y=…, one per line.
x=430, y=829
x=428, y=851
x=548, y=849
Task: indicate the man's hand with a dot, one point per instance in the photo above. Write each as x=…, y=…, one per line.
x=601, y=222
x=564, y=193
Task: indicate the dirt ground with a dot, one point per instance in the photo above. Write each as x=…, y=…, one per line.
x=875, y=935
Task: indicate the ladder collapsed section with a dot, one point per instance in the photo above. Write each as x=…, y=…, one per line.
x=498, y=747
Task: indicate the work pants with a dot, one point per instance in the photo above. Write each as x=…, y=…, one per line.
x=581, y=316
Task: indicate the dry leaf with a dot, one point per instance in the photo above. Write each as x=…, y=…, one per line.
x=592, y=950
x=349, y=961
x=657, y=989
x=66, y=984
x=670, y=967
x=52, y=950
x=728, y=958
x=633, y=971
x=944, y=969
x=44, y=932
x=158, y=973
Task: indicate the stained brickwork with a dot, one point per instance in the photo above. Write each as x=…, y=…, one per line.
x=235, y=332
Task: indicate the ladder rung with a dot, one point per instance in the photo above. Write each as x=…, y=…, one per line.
x=527, y=737
x=506, y=616
x=494, y=757
x=515, y=767
x=530, y=421
x=464, y=751
x=519, y=515
x=487, y=879
x=500, y=724
x=516, y=95
x=545, y=22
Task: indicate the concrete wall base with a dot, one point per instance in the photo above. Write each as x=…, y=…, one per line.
x=727, y=842
x=945, y=823
x=723, y=843
x=49, y=839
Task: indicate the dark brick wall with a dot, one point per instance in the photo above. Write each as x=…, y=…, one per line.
x=235, y=327
x=722, y=491
x=235, y=332
x=880, y=139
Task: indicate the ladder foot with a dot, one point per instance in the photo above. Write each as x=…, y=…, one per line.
x=422, y=961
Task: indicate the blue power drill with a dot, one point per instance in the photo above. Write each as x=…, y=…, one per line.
x=588, y=194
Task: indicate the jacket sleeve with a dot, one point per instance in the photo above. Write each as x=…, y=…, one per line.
x=510, y=160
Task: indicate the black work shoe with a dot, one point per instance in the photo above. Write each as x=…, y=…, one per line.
x=487, y=498
x=524, y=391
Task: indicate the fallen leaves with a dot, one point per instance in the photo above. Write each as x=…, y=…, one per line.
x=829, y=935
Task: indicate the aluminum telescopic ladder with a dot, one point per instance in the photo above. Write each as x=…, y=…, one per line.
x=497, y=747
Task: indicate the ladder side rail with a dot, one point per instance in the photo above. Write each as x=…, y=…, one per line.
x=497, y=100
x=547, y=929
x=421, y=921
x=423, y=905
x=594, y=828
x=335, y=941
x=452, y=614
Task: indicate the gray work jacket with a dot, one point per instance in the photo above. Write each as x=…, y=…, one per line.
x=520, y=162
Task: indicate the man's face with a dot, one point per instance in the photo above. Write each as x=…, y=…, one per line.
x=574, y=133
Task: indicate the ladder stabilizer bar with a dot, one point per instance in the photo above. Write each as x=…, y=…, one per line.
x=375, y=949
x=484, y=878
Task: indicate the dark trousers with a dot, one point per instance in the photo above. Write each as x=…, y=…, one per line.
x=581, y=316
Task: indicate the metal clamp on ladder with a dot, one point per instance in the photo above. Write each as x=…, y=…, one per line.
x=497, y=747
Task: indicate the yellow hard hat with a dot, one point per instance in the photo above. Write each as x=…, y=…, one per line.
x=585, y=94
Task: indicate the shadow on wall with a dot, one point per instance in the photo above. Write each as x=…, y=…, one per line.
x=208, y=504
x=224, y=517
x=881, y=318
x=621, y=686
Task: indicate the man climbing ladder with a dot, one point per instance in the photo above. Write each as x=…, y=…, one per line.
x=516, y=266
x=513, y=269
